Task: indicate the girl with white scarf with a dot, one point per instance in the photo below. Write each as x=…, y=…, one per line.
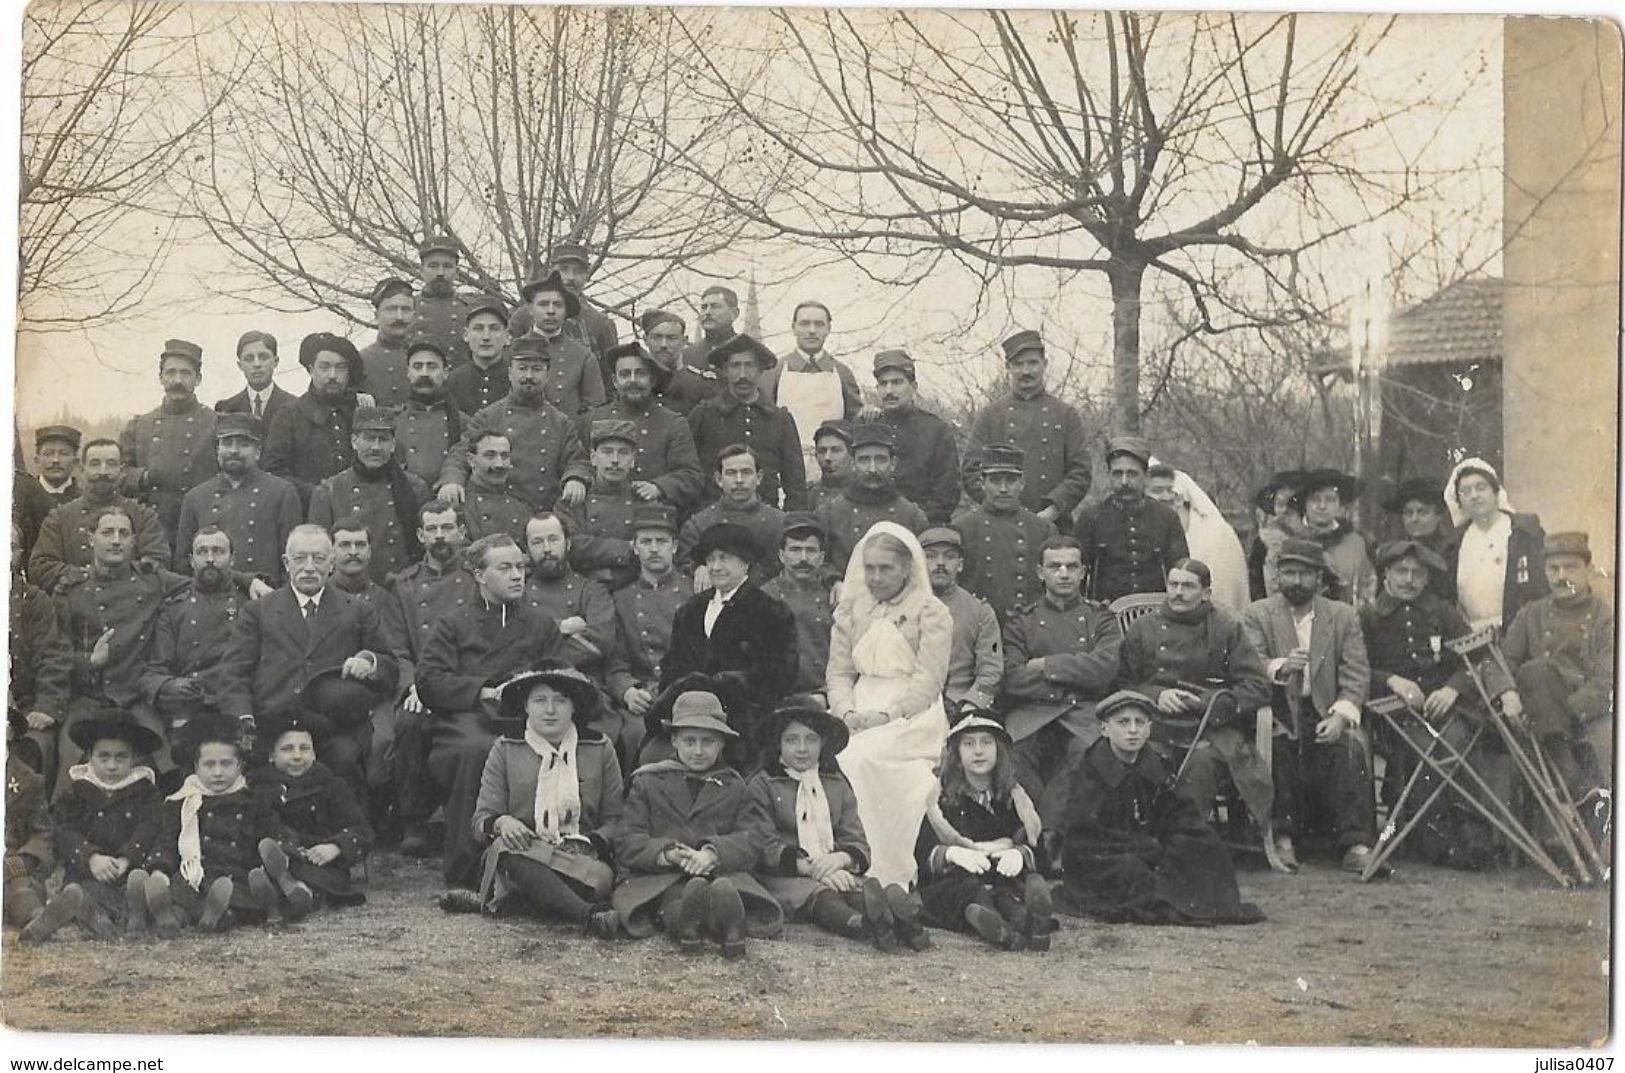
x=549, y=798
x=888, y=660
x=814, y=852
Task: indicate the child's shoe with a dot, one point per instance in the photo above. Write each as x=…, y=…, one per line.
x=691, y=914
x=727, y=912
x=135, y=904
x=265, y=895
x=988, y=924
x=165, y=920
x=300, y=898
x=60, y=909
x=215, y=904
x=1040, y=913
x=905, y=912
x=877, y=917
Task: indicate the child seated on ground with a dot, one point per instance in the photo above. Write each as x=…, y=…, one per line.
x=549, y=801
x=978, y=847
x=1137, y=851
x=805, y=816
x=205, y=864
x=106, y=821
x=29, y=855
x=683, y=856
x=320, y=811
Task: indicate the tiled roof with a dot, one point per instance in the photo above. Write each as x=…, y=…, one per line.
x=1462, y=323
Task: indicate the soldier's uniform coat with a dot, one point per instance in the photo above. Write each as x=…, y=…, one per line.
x=471, y=388
x=424, y=433
x=664, y=454
x=601, y=533
x=813, y=608
x=1057, y=469
x=384, y=370
x=308, y=442
x=768, y=431
x=494, y=510
x=1002, y=556
x=190, y=639
x=346, y=497
x=575, y=379
x=976, y=660
x=643, y=618
x=167, y=452
x=576, y=595
x=40, y=664
x=1129, y=547
x=62, y=552
x=443, y=319
x=765, y=522
x=850, y=515
x=546, y=450
x=258, y=513
x=927, y=461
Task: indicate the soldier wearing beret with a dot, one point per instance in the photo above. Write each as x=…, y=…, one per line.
x=871, y=495
x=170, y=450
x=309, y=440
x=374, y=492
x=257, y=509
x=832, y=450
x=440, y=312
x=738, y=477
x=260, y=396
x=575, y=379
x=1002, y=537
x=805, y=585
x=601, y=526
x=1048, y=430
x=644, y=610
x=1129, y=540
x=384, y=359
x=679, y=386
x=56, y=453
x=739, y=414
x=62, y=551
x=483, y=379
x=976, y=660
x=665, y=464
x=428, y=423
x=927, y=454
x=489, y=504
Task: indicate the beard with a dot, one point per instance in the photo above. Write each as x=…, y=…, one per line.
x=210, y=578
x=1297, y=595
x=547, y=566
x=439, y=288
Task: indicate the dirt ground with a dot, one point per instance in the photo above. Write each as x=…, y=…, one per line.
x=1429, y=957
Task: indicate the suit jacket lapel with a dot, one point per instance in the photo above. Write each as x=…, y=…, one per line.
x=321, y=623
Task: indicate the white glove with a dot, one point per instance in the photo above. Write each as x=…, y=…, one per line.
x=1010, y=862
x=968, y=859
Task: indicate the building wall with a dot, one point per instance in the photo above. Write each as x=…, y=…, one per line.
x=1561, y=204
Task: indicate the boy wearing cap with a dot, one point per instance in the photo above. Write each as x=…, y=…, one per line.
x=575, y=381
x=645, y=609
x=56, y=452
x=1130, y=541
x=870, y=496
x=1048, y=432
x=738, y=478
x=375, y=492
x=832, y=450
x=261, y=396
x=489, y=505
x=927, y=451
x=1001, y=537
x=171, y=449
x=601, y=524
x=257, y=509
x=309, y=440
x=483, y=379
x=383, y=360
x=804, y=585
x=665, y=464
x=428, y=423
x=976, y=660
x=679, y=385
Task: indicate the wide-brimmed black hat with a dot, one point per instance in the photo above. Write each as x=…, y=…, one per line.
x=112, y=722
x=552, y=282
x=329, y=693
x=566, y=679
x=1348, y=486
x=1289, y=479
x=742, y=344
x=1429, y=490
x=805, y=709
x=729, y=537
x=316, y=342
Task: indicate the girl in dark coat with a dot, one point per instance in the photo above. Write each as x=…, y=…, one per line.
x=106, y=822
x=805, y=816
x=549, y=802
x=321, y=812
x=1136, y=851
x=978, y=851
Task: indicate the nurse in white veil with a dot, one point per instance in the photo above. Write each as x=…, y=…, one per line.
x=888, y=660
x=1210, y=539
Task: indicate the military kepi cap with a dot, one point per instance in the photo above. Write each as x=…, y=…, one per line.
x=387, y=288
x=742, y=344
x=526, y=348
x=873, y=434
x=1021, y=343
x=654, y=516
x=181, y=348
x=239, y=425
x=372, y=419
x=894, y=359
x=555, y=283
x=1395, y=550
x=66, y=433
x=941, y=536
x=653, y=318
x=803, y=521
x=1576, y=544
x=1133, y=446
x=438, y=243
x=426, y=342
x=489, y=303
x=570, y=251
x=614, y=429
x=1003, y=458
x=841, y=430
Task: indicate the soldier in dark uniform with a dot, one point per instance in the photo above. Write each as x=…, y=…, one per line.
x=1129, y=540
x=740, y=415
x=483, y=379
x=579, y=604
x=871, y=495
x=679, y=386
x=56, y=454
x=441, y=312
x=575, y=380
x=644, y=610
x=1001, y=536
x=428, y=424
x=927, y=454
x=260, y=396
x=310, y=439
x=170, y=450
x=376, y=493
x=976, y=659
x=352, y=568
x=37, y=688
x=547, y=452
x=1419, y=504
x=383, y=360
x=1060, y=658
x=573, y=262
x=719, y=308
x=601, y=527
x=62, y=553
x=738, y=477
x=804, y=585
x=489, y=505
x=832, y=450
x=1047, y=429
x=256, y=508
x=665, y=465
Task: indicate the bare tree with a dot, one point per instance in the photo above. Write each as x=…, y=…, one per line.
x=511, y=128
x=1183, y=147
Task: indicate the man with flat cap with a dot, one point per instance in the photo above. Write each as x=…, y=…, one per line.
x=384, y=359
x=260, y=396
x=1419, y=504
x=871, y=495
x=257, y=510
x=374, y=492
x=1048, y=430
x=428, y=423
x=665, y=464
x=740, y=415
x=575, y=379
x=644, y=610
x=679, y=386
x=549, y=463
x=483, y=379
x=170, y=450
x=309, y=440
x=737, y=477
x=62, y=551
x=1130, y=541
x=1001, y=537
x=832, y=450
x=805, y=585
x=56, y=457
x=976, y=659
x=809, y=381
x=927, y=454
x=440, y=312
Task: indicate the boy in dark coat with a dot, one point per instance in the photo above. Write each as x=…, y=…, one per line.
x=1136, y=850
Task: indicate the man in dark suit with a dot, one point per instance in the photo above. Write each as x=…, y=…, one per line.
x=734, y=626
x=256, y=357
x=285, y=639
x=310, y=439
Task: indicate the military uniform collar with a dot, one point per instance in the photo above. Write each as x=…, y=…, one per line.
x=727, y=403
x=1071, y=605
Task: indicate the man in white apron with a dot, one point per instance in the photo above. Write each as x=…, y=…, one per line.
x=808, y=382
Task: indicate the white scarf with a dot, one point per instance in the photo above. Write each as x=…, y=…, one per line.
x=558, y=790
x=191, y=795
x=814, y=830
x=86, y=773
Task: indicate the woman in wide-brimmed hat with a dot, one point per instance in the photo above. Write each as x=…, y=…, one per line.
x=1321, y=503
x=1272, y=506
x=549, y=800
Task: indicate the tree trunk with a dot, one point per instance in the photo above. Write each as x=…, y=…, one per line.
x=1126, y=278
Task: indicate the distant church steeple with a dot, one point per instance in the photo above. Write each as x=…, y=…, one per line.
x=753, y=310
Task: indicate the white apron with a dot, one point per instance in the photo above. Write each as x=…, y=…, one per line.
x=812, y=397
x=891, y=767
